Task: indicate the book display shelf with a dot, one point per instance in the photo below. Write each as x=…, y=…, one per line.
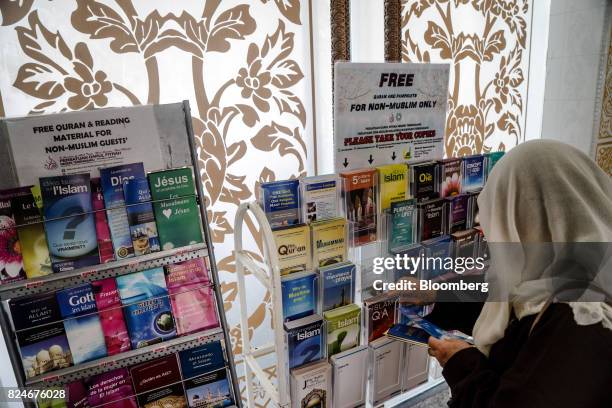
x=173, y=341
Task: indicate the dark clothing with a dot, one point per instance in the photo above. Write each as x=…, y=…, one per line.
x=560, y=364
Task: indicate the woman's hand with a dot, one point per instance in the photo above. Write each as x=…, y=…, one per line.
x=442, y=350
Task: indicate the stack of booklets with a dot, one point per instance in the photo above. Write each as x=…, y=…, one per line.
x=280, y=201
x=320, y=197
x=386, y=358
x=159, y=383
x=293, y=249
x=113, y=388
x=343, y=328
x=359, y=191
x=299, y=295
x=305, y=340
x=379, y=315
x=350, y=370
x=311, y=385
x=337, y=285
x=110, y=311
x=328, y=242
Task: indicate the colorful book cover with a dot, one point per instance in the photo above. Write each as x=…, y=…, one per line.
x=337, y=285
x=194, y=309
x=465, y=243
x=76, y=394
x=299, y=295
x=110, y=311
x=69, y=221
x=360, y=196
x=402, y=224
x=450, y=177
x=458, y=207
x=155, y=374
x=105, y=242
x=177, y=214
x=209, y=390
x=392, y=184
x=432, y=219
x=11, y=260
x=473, y=172
x=113, y=388
x=169, y=396
x=82, y=323
x=34, y=310
x=305, y=340
x=380, y=315
x=343, y=328
x=311, y=386
x=440, y=247
x=113, y=179
x=201, y=360
x=44, y=349
x=293, y=249
x=140, y=216
x=320, y=197
x=424, y=180
x=147, y=309
x=192, y=271
x=32, y=238
x=328, y=242
x=280, y=201
x=492, y=159
x=350, y=370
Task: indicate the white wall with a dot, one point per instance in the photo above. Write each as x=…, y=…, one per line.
x=577, y=44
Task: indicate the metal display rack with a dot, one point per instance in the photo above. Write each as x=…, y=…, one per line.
x=178, y=149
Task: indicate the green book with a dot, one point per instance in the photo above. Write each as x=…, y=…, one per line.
x=343, y=326
x=401, y=224
x=175, y=207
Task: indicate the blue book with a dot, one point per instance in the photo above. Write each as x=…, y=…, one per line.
x=413, y=251
x=201, y=360
x=439, y=248
x=299, y=295
x=141, y=219
x=76, y=301
x=113, y=179
x=69, y=222
x=210, y=390
x=337, y=285
x=281, y=202
x=474, y=172
x=147, y=308
x=305, y=340
x=44, y=349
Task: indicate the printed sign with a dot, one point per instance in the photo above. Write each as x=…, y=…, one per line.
x=388, y=113
x=82, y=142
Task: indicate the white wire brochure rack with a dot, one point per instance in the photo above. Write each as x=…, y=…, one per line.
x=269, y=277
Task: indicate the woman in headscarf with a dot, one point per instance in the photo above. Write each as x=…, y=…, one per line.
x=544, y=337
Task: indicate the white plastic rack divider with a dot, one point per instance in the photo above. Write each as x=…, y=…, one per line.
x=269, y=277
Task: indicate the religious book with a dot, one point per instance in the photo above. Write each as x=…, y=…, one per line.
x=82, y=323
x=280, y=201
x=311, y=386
x=202, y=359
x=44, y=349
x=474, y=171
x=328, y=242
x=34, y=310
x=113, y=388
x=171, y=395
x=11, y=260
x=155, y=374
x=147, y=308
x=349, y=373
x=293, y=249
x=380, y=313
x=359, y=192
x=69, y=221
x=76, y=394
x=108, y=302
x=141, y=220
x=416, y=366
x=407, y=270
x=105, y=242
x=113, y=179
x=343, y=328
x=299, y=295
x=191, y=271
x=386, y=362
x=305, y=340
x=492, y=158
x=209, y=390
x=432, y=219
x=320, y=197
x=424, y=178
x=392, y=184
x=450, y=177
x=401, y=224
x=465, y=243
x=175, y=205
x=31, y=233
x=337, y=285
x=458, y=209
x=439, y=248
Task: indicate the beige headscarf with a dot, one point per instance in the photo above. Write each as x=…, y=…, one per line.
x=542, y=191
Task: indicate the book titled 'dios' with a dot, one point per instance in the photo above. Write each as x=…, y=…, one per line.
x=311, y=386
x=175, y=207
x=70, y=224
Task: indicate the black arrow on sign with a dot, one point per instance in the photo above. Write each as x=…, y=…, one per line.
x=394, y=156
x=371, y=159
x=345, y=162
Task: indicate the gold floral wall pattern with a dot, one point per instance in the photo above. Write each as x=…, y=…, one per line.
x=486, y=43
x=241, y=64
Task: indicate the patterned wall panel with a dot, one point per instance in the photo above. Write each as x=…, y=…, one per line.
x=603, y=149
x=241, y=64
x=487, y=44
